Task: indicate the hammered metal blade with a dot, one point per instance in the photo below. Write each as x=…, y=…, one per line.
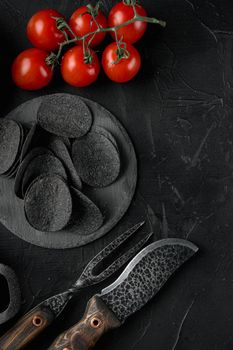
x=145, y=275
x=118, y=263
x=57, y=303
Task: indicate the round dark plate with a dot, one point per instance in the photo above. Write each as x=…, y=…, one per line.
x=113, y=200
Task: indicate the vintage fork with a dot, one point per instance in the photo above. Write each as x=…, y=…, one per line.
x=41, y=316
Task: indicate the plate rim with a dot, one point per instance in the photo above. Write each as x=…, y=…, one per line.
x=95, y=235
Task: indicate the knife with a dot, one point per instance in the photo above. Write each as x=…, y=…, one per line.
x=41, y=316
x=141, y=280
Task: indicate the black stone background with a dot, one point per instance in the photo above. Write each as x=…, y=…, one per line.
x=179, y=114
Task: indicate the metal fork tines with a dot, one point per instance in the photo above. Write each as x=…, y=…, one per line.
x=88, y=277
x=42, y=315
x=58, y=302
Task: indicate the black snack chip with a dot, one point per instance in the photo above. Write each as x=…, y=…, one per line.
x=58, y=147
x=10, y=138
x=23, y=166
x=48, y=203
x=45, y=163
x=64, y=115
x=86, y=215
x=96, y=159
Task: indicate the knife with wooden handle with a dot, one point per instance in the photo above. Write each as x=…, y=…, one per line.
x=97, y=320
x=34, y=322
x=140, y=281
x=28, y=327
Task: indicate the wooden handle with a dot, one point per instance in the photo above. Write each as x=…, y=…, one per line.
x=97, y=320
x=26, y=329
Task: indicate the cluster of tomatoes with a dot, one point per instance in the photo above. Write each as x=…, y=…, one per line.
x=32, y=69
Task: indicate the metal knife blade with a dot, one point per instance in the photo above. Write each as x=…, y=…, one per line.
x=41, y=316
x=145, y=275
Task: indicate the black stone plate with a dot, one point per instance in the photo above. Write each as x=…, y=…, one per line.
x=113, y=200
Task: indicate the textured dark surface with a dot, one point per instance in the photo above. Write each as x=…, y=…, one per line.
x=178, y=112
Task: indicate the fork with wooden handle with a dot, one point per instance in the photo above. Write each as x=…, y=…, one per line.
x=41, y=316
x=141, y=280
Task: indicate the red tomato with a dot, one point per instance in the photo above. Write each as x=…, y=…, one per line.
x=121, y=13
x=42, y=30
x=126, y=68
x=82, y=23
x=75, y=71
x=30, y=71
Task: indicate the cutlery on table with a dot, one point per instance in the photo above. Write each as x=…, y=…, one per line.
x=140, y=281
x=41, y=316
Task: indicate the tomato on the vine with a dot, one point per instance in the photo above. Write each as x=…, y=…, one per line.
x=82, y=23
x=122, y=12
x=80, y=70
x=121, y=65
x=30, y=70
x=42, y=30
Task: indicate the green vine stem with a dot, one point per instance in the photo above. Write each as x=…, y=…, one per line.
x=63, y=25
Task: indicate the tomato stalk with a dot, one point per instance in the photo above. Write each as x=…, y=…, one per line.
x=52, y=60
x=63, y=26
x=121, y=51
x=94, y=10
x=130, y=2
x=97, y=24
x=87, y=57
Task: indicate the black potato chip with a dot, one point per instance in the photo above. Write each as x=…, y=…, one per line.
x=10, y=137
x=28, y=141
x=23, y=166
x=11, y=172
x=107, y=134
x=45, y=163
x=48, y=203
x=38, y=137
x=96, y=159
x=60, y=150
x=86, y=215
x=64, y=115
